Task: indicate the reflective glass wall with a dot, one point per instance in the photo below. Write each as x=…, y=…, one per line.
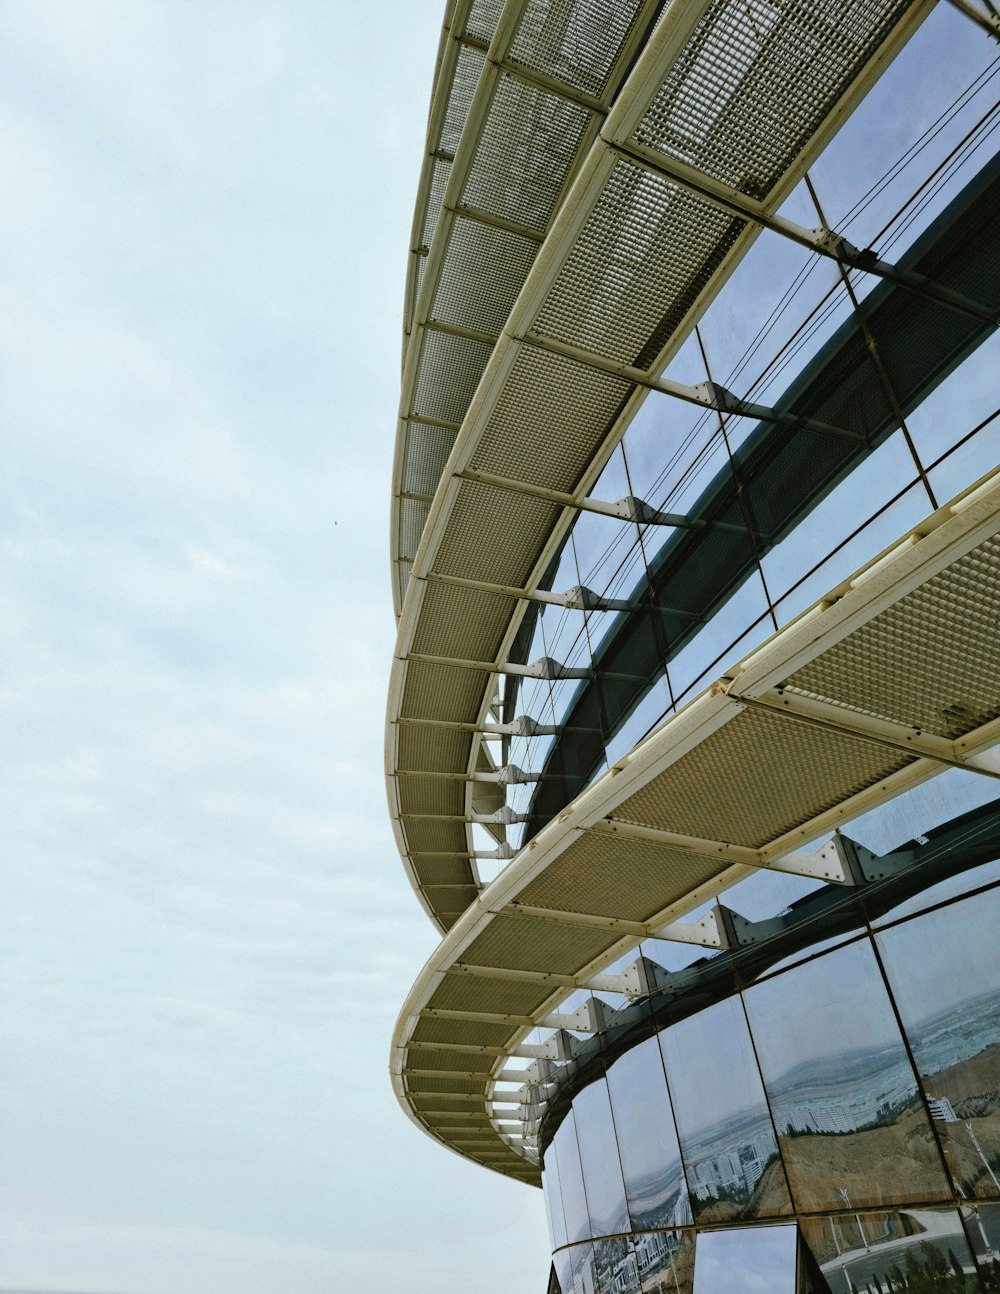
x=828, y=1117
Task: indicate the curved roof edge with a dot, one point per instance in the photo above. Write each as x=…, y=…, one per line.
x=449, y=640
x=816, y=747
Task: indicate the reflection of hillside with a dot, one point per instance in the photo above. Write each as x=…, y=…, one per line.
x=891, y=1164
x=973, y=1085
x=972, y=1138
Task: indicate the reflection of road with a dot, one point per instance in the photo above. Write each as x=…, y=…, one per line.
x=854, y=1268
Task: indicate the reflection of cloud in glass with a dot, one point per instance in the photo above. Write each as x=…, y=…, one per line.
x=944, y=958
x=599, y=1157
x=710, y=1066
x=752, y=1260
x=832, y=1007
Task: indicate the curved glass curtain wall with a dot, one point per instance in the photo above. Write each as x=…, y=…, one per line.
x=757, y=1130
x=804, y=510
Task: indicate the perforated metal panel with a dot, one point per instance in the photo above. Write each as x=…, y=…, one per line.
x=645, y=254
x=412, y=516
x=757, y=778
x=500, y=521
x=438, y=692
x=468, y=69
x=427, y=450
x=430, y=749
x=902, y=665
x=527, y=146
x=757, y=80
x=458, y=620
x=496, y=260
x=617, y=877
x=449, y=374
x=523, y=944
x=543, y=427
x=482, y=18
x=439, y=180
x=576, y=41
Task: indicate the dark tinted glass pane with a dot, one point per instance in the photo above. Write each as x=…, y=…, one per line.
x=726, y=1135
x=647, y=1140
x=753, y=1260
x=602, y=1174
x=923, y=1251
x=944, y=971
x=851, y=1122
x=574, y=1200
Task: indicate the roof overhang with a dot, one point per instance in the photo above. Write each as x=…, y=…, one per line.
x=885, y=682
x=573, y=362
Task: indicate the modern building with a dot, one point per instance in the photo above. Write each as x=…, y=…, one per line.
x=693, y=716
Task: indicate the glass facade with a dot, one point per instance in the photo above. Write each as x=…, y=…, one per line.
x=831, y=1122
x=773, y=513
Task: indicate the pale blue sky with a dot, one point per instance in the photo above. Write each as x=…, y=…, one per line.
x=207, y=931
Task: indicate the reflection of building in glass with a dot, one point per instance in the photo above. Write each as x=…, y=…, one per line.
x=738, y=1170
x=695, y=704
x=941, y=1109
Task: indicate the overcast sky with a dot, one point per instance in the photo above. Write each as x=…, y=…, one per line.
x=207, y=931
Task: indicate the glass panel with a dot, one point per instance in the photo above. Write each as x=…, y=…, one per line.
x=982, y=1226
x=922, y=1251
x=553, y=1199
x=581, y=1277
x=945, y=55
x=574, y=1199
x=647, y=1140
x=873, y=536
x=726, y=1134
x=615, y=1268
x=960, y=403
x=944, y=971
x=602, y=1174
x=753, y=1260
x=851, y=1124
x=920, y=810
x=563, y=1263
x=666, y=1261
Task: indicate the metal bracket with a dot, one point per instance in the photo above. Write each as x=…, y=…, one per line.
x=589, y=1017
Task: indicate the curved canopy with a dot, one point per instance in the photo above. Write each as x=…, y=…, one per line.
x=888, y=680
x=721, y=111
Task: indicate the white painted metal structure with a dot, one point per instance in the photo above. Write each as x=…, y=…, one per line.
x=527, y=368
x=887, y=681
x=594, y=173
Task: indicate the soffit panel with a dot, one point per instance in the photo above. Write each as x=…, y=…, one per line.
x=615, y=876
x=756, y=779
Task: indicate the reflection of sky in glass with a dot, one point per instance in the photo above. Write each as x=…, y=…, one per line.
x=553, y=1199
x=599, y=1155
x=946, y=959
x=921, y=809
x=828, y=1009
x=647, y=1139
x=751, y=1260
x=574, y=1199
x=713, y=1077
